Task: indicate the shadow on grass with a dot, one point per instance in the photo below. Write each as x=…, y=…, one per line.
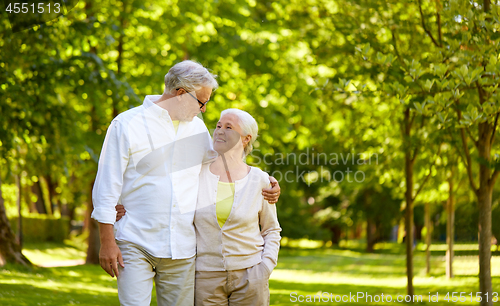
x=44, y=246
x=82, y=285
x=23, y=294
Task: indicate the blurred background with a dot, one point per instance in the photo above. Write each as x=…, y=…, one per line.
x=378, y=118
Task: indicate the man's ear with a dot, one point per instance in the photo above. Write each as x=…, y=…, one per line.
x=180, y=91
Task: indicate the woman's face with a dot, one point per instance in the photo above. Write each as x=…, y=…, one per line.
x=228, y=135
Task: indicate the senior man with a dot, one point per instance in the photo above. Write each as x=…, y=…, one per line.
x=150, y=163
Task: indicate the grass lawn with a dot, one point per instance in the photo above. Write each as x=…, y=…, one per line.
x=301, y=272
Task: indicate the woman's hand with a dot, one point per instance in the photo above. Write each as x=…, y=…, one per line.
x=272, y=195
x=120, y=212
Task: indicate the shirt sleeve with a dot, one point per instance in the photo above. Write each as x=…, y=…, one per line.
x=270, y=231
x=109, y=180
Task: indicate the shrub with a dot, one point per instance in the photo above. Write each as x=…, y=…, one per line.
x=38, y=228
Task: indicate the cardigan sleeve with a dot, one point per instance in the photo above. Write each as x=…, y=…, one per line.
x=270, y=231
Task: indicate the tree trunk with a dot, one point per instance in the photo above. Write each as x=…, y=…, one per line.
x=484, y=201
x=428, y=240
x=336, y=231
x=10, y=250
x=450, y=228
x=485, y=286
x=409, y=204
x=484, y=196
x=94, y=243
x=370, y=224
x=51, y=187
x=26, y=194
x=40, y=203
x=370, y=235
x=20, y=216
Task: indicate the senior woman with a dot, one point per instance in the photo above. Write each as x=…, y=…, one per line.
x=237, y=231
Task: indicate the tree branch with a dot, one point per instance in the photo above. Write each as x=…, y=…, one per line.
x=476, y=143
x=423, y=24
x=415, y=152
x=396, y=50
x=494, y=177
x=439, y=30
x=412, y=119
x=482, y=99
x=428, y=175
x=494, y=129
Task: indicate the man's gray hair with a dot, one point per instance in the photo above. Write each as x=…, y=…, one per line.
x=247, y=124
x=189, y=75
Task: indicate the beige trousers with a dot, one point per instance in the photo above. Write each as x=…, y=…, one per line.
x=240, y=287
x=174, y=279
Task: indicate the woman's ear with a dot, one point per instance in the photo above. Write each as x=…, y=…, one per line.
x=246, y=140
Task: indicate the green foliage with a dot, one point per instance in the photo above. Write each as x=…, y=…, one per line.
x=9, y=195
x=324, y=75
x=38, y=228
x=382, y=208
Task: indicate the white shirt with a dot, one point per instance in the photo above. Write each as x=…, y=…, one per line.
x=154, y=173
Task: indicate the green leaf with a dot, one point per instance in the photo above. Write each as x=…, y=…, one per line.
x=476, y=73
x=440, y=70
x=464, y=71
x=408, y=79
x=428, y=84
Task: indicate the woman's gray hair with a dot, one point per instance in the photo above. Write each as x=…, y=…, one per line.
x=247, y=124
x=189, y=75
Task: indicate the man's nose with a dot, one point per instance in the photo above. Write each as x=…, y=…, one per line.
x=204, y=109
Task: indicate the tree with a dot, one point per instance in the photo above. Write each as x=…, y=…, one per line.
x=450, y=73
x=10, y=250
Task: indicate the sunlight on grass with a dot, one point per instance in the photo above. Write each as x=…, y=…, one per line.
x=39, y=257
x=456, y=247
x=301, y=243
x=49, y=252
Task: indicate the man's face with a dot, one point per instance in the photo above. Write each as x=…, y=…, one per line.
x=189, y=107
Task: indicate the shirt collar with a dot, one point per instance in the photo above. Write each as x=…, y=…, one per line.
x=150, y=105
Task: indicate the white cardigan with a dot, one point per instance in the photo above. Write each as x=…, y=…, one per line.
x=240, y=243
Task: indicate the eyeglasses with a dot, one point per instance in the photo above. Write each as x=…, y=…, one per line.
x=201, y=103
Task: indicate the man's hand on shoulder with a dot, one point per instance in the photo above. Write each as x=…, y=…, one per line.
x=272, y=195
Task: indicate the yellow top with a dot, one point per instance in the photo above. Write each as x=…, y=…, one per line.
x=176, y=125
x=224, y=201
